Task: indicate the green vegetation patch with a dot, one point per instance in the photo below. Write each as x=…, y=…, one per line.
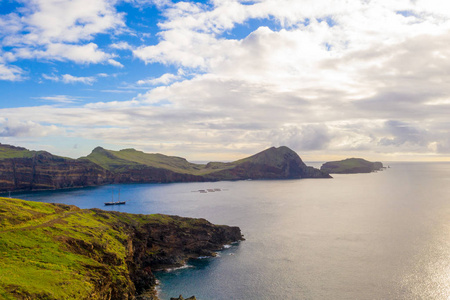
x=123, y=160
x=57, y=252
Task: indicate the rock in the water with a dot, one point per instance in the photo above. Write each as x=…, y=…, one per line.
x=181, y=298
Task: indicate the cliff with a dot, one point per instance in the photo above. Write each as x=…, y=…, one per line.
x=55, y=251
x=21, y=169
x=351, y=165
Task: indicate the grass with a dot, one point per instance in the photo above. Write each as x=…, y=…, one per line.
x=56, y=251
x=38, y=259
x=130, y=158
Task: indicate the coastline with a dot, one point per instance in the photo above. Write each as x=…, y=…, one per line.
x=117, y=252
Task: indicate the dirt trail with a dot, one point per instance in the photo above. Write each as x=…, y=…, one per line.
x=59, y=219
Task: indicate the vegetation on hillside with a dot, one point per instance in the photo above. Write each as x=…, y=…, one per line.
x=21, y=169
x=56, y=251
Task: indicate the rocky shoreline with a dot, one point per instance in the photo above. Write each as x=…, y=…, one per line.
x=104, y=255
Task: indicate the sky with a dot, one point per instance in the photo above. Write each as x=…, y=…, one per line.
x=223, y=79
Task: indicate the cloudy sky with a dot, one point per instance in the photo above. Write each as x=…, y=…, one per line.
x=221, y=79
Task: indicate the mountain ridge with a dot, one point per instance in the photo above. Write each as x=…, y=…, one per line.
x=22, y=169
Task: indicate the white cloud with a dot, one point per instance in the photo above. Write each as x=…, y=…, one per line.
x=318, y=76
x=67, y=78
x=11, y=73
x=85, y=54
x=53, y=21
x=15, y=128
x=59, y=30
x=121, y=46
x=115, y=63
x=60, y=99
x=164, y=79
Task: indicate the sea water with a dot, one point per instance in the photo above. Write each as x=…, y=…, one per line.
x=383, y=235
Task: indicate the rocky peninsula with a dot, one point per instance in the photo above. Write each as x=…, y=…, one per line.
x=56, y=251
x=25, y=170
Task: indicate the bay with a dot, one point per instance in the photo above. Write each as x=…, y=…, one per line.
x=383, y=235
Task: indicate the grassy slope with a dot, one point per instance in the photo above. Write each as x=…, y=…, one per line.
x=7, y=151
x=35, y=246
x=61, y=252
x=56, y=251
x=272, y=156
x=123, y=159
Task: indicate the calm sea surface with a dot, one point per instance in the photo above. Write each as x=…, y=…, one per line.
x=383, y=235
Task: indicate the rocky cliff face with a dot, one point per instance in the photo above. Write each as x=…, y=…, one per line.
x=93, y=254
x=21, y=169
x=43, y=171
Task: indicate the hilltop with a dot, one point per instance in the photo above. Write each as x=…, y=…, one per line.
x=351, y=165
x=56, y=251
x=22, y=169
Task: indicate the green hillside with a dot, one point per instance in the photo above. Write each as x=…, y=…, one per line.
x=7, y=151
x=56, y=251
x=124, y=159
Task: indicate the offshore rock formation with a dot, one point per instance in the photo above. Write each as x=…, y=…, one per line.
x=21, y=169
x=55, y=251
x=350, y=166
x=181, y=298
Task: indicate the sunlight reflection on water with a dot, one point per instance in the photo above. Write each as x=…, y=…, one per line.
x=382, y=235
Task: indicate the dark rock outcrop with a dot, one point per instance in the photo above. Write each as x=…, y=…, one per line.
x=181, y=298
x=44, y=171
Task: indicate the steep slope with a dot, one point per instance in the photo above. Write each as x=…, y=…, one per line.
x=351, y=165
x=273, y=163
x=54, y=251
x=116, y=160
x=131, y=166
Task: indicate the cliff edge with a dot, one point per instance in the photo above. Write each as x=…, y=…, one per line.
x=56, y=251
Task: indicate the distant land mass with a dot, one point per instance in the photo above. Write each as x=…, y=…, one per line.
x=22, y=169
x=57, y=251
x=350, y=166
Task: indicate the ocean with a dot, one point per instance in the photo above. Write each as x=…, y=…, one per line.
x=383, y=235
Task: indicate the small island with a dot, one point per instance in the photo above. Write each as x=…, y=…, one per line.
x=351, y=166
x=57, y=251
